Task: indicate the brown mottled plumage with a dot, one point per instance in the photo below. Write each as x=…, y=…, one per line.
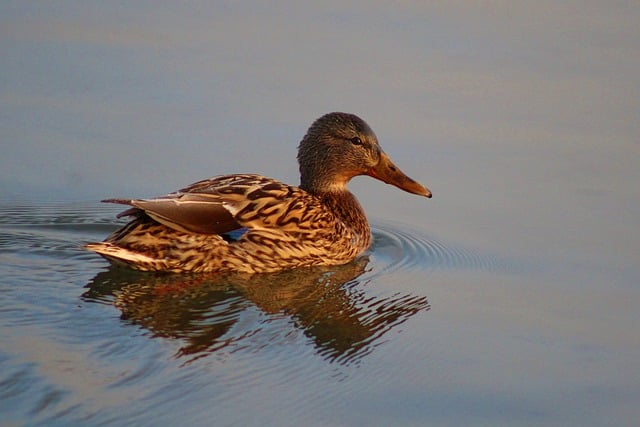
x=254, y=224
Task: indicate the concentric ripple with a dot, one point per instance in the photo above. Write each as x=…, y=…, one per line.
x=398, y=247
x=60, y=228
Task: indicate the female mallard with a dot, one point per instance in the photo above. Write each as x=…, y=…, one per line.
x=253, y=224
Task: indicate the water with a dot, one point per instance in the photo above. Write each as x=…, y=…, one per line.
x=510, y=298
x=87, y=340
x=85, y=343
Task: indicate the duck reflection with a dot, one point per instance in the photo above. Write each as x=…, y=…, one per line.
x=209, y=314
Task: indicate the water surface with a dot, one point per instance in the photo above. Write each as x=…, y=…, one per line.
x=88, y=343
x=83, y=338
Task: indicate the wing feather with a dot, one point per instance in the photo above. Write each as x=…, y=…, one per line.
x=222, y=204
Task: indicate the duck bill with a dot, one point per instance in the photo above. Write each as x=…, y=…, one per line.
x=387, y=172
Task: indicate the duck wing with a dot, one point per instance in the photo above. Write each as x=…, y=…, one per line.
x=222, y=204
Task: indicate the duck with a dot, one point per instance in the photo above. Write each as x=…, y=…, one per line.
x=249, y=223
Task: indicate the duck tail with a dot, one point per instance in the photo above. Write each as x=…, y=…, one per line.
x=118, y=255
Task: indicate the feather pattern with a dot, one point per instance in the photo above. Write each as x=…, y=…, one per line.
x=281, y=226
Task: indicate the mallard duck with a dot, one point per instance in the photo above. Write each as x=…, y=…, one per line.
x=253, y=224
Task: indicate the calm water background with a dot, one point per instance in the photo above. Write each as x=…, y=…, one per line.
x=510, y=298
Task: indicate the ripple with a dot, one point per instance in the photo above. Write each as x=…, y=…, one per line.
x=66, y=225
x=398, y=247
x=58, y=229
x=57, y=213
x=33, y=233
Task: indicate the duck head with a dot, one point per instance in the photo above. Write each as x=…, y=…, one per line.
x=339, y=146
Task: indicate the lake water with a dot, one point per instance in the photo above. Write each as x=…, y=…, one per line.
x=510, y=298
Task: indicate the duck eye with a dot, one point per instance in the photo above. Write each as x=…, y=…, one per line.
x=356, y=140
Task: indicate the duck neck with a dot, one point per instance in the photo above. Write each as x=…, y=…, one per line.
x=345, y=205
